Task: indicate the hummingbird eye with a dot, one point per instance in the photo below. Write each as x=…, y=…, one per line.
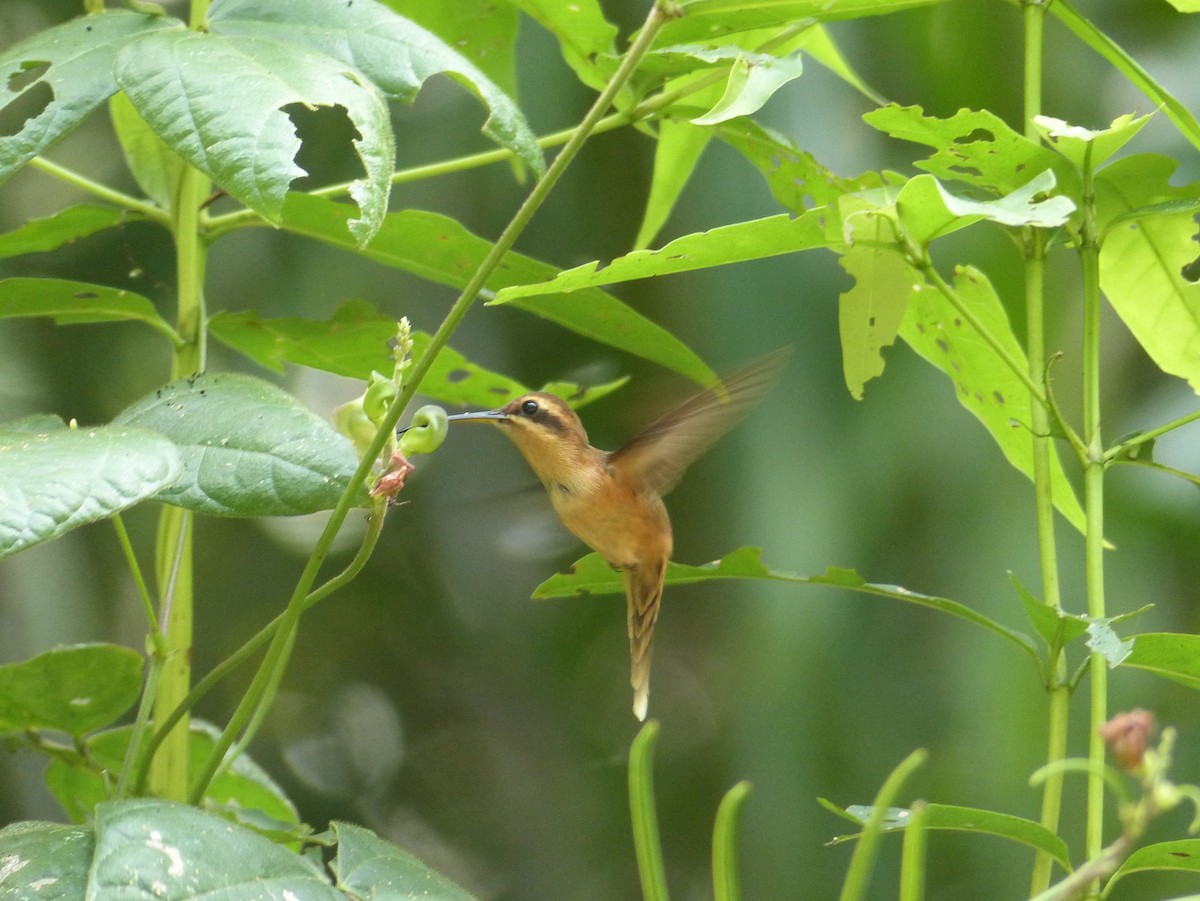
x=530, y=407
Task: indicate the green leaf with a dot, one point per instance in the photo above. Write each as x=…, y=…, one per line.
x=393, y=52
x=1143, y=261
x=591, y=575
x=973, y=819
x=870, y=313
x=218, y=102
x=983, y=383
x=927, y=210
x=726, y=881
x=483, y=31
x=73, y=690
x=248, y=447
x=583, y=34
x=819, y=44
x=54, y=482
x=439, y=249
x=51, y=81
x=976, y=147
x=186, y=853
x=155, y=166
x=676, y=153
x=1055, y=627
x=1109, y=50
x=45, y=861
x=646, y=843
x=1181, y=856
x=709, y=20
x=354, y=343
x=369, y=867
x=753, y=78
x=243, y=788
x=1074, y=141
x=73, y=303
x=753, y=240
x=64, y=227
x=1171, y=655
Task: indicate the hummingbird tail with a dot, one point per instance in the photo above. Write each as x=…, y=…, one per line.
x=643, y=589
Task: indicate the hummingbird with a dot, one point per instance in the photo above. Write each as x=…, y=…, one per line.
x=613, y=500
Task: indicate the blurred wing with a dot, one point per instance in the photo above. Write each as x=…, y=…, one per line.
x=663, y=450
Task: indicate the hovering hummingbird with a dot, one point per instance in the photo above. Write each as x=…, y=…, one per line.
x=612, y=500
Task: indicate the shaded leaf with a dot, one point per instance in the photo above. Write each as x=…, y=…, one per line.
x=927, y=210
x=45, y=861
x=1055, y=627
x=155, y=167
x=248, y=447
x=369, y=867
x=72, y=303
x=53, y=482
x=73, y=690
x=753, y=78
x=439, y=249
x=63, y=74
x=217, y=101
x=591, y=575
x=393, y=52
x=1172, y=655
x=64, y=227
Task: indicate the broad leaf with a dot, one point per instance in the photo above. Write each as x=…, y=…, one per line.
x=248, y=447
x=51, y=81
x=72, y=303
x=1081, y=145
x=53, y=482
x=218, y=102
x=928, y=211
x=354, y=342
x=753, y=78
x=155, y=166
x=72, y=690
x=80, y=783
x=1172, y=655
x=439, y=249
x=976, y=147
x=45, y=861
x=393, y=52
x=366, y=864
x=984, y=383
x=582, y=31
x=1144, y=261
x=591, y=575
x=64, y=227
x=753, y=240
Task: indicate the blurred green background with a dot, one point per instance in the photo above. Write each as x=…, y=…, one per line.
x=434, y=702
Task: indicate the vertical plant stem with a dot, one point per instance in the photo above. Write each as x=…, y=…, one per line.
x=1093, y=504
x=168, y=777
x=644, y=815
x=1035, y=349
x=277, y=653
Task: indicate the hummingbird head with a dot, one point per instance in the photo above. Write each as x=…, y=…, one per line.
x=544, y=428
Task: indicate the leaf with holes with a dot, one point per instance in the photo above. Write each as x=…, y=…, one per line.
x=59, y=479
x=248, y=447
x=220, y=103
x=50, y=82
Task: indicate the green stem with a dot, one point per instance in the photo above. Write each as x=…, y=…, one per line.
x=644, y=816
x=727, y=885
x=912, y=854
x=276, y=656
x=1035, y=340
x=117, y=198
x=1093, y=498
x=1118, y=450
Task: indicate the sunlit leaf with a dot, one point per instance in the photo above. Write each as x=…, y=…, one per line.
x=1074, y=141
x=676, y=154
x=927, y=210
x=1181, y=855
x=248, y=447
x=752, y=81
x=1172, y=655
x=53, y=482
x=582, y=31
x=73, y=690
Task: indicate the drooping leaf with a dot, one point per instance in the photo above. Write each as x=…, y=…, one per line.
x=81, y=783
x=928, y=211
x=753, y=79
x=354, y=342
x=73, y=303
x=976, y=147
x=395, y=53
x=73, y=689
x=366, y=864
x=64, y=227
x=248, y=447
x=439, y=249
x=591, y=575
x=1172, y=655
x=753, y=240
x=218, y=101
x=189, y=853
x=155, y=166
x=676, y=153
x=1145, y=261
x=984, y=383
x=56, y=481
x=51, y=81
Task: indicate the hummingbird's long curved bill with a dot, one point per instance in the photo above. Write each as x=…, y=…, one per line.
x=484, y=414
